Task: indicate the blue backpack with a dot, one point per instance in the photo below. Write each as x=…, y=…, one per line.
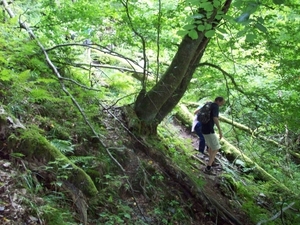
x=203, y=116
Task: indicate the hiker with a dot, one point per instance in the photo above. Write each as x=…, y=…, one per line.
x=210, y=137
x=196, y=127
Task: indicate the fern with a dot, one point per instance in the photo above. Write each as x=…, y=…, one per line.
x=5, y=74
x=63, y=146
x=40, y=94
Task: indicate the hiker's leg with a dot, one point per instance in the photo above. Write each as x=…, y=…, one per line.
x=201, y=143
x=214, y=147
x=212, y=156
x=201, y=137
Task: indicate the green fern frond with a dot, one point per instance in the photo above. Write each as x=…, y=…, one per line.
x=63, y=146
x=5, y=74
x=40, y=94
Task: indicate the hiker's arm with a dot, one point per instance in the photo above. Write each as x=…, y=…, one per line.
x=216, y=120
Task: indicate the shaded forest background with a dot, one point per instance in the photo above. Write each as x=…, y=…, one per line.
x=87, y=115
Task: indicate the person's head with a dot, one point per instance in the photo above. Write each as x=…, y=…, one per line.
x=220, y=101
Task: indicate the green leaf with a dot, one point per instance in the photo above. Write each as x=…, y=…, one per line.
x=260, y=20
x=221, y=30
x=198, y=16
x=189, y=27
x=237, y=4
x=216, y=3
x=278, y=2
x=220, y=36
x=193, y=34
x=210, y=33
x=182, y=33
x=208, y=26
x=218, y=17
x=193, y=2
x=242, y=18
x=261, y=27
x=201, y=27
x=227, y=17
x=250, y=37
x=207, y=6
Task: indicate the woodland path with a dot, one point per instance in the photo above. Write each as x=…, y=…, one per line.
x=216, y=189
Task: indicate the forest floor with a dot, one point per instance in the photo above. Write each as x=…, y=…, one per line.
x=15, y=210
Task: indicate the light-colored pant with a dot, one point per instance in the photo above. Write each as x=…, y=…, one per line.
x=212, y=141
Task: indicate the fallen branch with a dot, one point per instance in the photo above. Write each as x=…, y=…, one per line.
x=277, y=214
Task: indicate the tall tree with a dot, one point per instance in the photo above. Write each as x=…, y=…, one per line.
x=151, y=107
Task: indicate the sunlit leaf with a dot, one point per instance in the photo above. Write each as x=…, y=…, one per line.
x=198, y=16
x=220, y=36
x=5, y=75
x=221, y=30
x=242, y=18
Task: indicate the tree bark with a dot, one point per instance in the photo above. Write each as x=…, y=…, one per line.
x=151, y=107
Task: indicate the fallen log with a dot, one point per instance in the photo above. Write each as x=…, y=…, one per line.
x=253, y=133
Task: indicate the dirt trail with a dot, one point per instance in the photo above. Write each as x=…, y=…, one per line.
x=216, y=188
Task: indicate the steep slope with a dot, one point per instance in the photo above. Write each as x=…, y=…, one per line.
x=151, y=186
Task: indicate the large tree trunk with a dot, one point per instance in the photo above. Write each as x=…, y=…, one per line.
x=151, y=107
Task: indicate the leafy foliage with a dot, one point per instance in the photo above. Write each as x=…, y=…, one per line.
x=252, y=60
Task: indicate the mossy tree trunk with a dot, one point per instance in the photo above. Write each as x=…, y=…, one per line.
x=32, y=144
x=151, y=107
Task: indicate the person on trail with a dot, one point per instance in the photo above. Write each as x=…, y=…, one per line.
x=196, y=127
x=210, y=137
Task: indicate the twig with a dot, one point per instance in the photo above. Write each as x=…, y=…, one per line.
x=101, y=49
x=80, y=85
x=277, y=214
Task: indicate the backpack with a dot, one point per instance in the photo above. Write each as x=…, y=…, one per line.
x=203, y=116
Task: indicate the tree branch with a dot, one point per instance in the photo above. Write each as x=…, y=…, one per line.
x=277, y=214
x=102, y=49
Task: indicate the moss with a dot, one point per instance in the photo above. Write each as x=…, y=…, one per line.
x=53, y=128
x=94, y=174
x=32, y=144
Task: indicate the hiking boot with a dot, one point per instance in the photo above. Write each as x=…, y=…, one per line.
x=209, y=172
